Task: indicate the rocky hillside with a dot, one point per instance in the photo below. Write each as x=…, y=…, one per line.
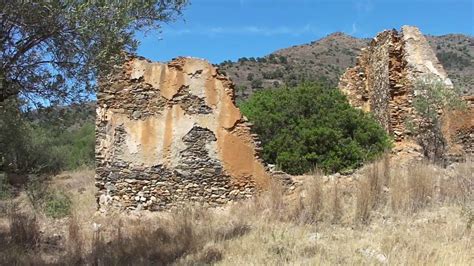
x=326, y=59
x=456, y=54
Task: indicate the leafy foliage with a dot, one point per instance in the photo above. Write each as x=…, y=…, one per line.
x=54, y=50
x=431, y=97
x=53, y=203
x=453, y=60
x=313, y=126
x=40, y=143
x=63, y=150
x=257, y=83
x=37, y=190
x=51, y=53
x=57, y=205
x=5, y=188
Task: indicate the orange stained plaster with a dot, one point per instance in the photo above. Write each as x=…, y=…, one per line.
x=237, y=154
x=167, y=80
x=148, y=137
x=168, y=136
x=210, y=89
x=238, y=159
x=229, y=114
x=153, y=74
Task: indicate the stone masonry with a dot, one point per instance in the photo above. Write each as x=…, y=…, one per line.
x=170, y=133
x=383, y=83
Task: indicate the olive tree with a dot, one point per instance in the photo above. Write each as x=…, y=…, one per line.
x=53, y=51
x=432, y=98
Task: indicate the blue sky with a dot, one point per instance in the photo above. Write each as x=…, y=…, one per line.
x=218, y=30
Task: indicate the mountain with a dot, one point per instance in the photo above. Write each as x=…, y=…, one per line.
x=456, y=54
x=68, y=117
x=326, y=59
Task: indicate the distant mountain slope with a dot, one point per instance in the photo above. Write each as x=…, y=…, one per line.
x=327, y=58
x=456, y=53
x=69, y=117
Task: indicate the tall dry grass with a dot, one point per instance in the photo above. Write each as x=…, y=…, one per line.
x=363, y=219
x=20, y=244
x=372, y=189
x=410, y=188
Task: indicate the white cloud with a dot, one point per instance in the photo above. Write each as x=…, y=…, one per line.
x=354, y=28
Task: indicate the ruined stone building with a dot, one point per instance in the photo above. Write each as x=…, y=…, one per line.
x=383, y=83
x=167, y=133
x=170, y=133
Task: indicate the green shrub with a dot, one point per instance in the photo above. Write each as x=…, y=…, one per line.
x=5, y=188
x=13, y=148
x=312, y=126
x=57, y=205
x=256, y=83
x=43, y=198
x=79, y=146
x=37, y=190
x=432, y=97
x=34, y=142
x=453, y=60
x=250, y=76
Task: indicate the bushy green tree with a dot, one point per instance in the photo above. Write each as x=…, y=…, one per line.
x=38, y=143
x=313, y=126
x=256, y=83
x=431, y=99
x=14, y=148
x=250, y=76
x=283, y=59
x=432, y=96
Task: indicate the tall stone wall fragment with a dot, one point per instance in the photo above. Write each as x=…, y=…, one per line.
x=170, y=133
x=383, y=83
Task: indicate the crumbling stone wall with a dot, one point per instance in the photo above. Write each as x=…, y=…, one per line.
x=372, y=71
x=459, y=127
x=170, y=133
x=383, y=83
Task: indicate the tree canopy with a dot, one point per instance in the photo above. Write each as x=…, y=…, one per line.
x=432, y=99
x=51, y=53
x=54, y=50
x=312, y=126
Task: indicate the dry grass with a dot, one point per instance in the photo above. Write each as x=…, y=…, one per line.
x=385, y=213
x=81, y=190
x=398, y=217
x=21, y=242
x=372, y=189
x=381, y=242
x=24, y=230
